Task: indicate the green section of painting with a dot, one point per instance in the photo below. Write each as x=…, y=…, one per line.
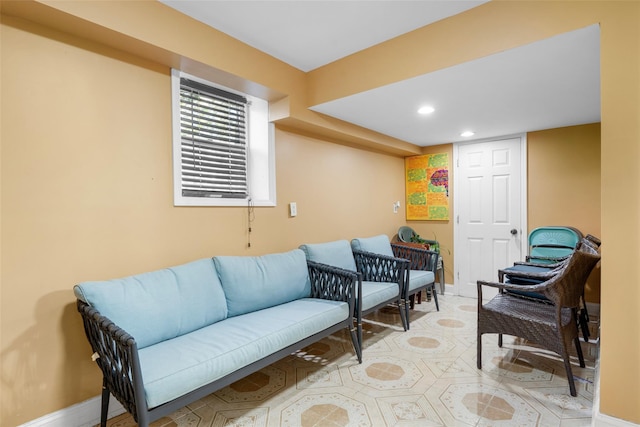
x=427, y=187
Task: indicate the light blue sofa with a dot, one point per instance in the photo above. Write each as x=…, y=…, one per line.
x=420, y=273
x=166, y=338
x=380, y=278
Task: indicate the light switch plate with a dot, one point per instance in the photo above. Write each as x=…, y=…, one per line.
x=293, y=209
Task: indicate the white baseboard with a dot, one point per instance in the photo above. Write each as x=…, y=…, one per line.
x=601, y=420
x=84, y=414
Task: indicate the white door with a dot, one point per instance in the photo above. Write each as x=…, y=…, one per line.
x=489, y=200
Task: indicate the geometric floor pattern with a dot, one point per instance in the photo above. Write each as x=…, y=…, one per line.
x=424, y=377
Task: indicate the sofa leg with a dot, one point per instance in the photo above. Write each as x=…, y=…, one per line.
x=105, y=405
x=356, y=343
x=434, y=293
x=360, y=343
x=479, y=350
x=404, y=314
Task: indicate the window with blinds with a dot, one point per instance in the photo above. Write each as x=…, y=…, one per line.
x=213, y=142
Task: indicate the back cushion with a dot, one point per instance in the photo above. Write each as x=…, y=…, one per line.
x=254, y=283
x=336, y=254
x=160, y=305
x=378, y=245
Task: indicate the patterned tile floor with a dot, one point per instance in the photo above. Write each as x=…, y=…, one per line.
x=424, y=377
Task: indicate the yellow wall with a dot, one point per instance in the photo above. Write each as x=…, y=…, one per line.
x=75, y=206
x=499, y=25
x=564, y=184
x=87, y=194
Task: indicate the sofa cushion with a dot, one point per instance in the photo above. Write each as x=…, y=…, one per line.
x=377, y=245
x=254, y=283
x=159, y=305
x=172, y=368
x=336, y=254
x=420, y=278
x=375, y=293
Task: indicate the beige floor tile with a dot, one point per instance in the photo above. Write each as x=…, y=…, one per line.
x=424, y=377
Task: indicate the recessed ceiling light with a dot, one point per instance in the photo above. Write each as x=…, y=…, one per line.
x=467, y=133
x=427, y=109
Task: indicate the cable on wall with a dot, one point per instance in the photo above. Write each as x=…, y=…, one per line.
x=251, y=216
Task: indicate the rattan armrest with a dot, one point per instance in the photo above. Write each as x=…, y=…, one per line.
x=380, y=268
x=116, y=353
x=546, y=258
x=537, y=264
x=529, y=275
x=537, y=288
x=333, y=283
x=419, y=258
x=508, y=286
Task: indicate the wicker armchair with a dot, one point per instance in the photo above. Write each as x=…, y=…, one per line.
x=418, y=268
x=420, y=259
x=532, y=273
x=553, y=326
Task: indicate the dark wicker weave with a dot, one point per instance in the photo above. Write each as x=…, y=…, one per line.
x=530, y=273
x=380, y=268
x=419, y=259
x=117, y=352
x=553, y=326
x=589, y=241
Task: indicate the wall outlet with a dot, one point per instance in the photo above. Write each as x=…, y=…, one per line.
x=396, y=206
x=293, y=209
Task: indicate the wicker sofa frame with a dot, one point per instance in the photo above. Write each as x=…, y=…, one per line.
x=380, y=268
x=419, y=259
x=116, y=352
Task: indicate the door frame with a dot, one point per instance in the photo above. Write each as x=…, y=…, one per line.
x=457, y=245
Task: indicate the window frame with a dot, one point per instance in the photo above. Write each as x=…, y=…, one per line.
x=260, y=151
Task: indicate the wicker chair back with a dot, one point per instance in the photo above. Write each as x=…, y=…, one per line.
x=554, y=326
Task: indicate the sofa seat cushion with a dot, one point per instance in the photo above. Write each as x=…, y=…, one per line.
x=375, y=293
x=253, y=283
x=172, y=368
x=162, y=304
x=337, y=254
x=419, y=279
x=377, y=245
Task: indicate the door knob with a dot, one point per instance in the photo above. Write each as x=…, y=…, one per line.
x=514, y=231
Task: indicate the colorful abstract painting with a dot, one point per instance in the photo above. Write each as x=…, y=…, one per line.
x=427, y=187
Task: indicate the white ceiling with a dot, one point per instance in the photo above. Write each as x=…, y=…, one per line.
x=547, y=84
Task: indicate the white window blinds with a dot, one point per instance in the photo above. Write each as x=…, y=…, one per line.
x=213, y=131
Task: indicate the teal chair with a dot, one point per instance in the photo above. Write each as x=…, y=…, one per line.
x=551, y=244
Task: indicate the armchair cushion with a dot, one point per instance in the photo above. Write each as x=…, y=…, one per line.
x=419, y=279
x=337, y=254
x=253, y=283
x=376, y=293
x=377, y=244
